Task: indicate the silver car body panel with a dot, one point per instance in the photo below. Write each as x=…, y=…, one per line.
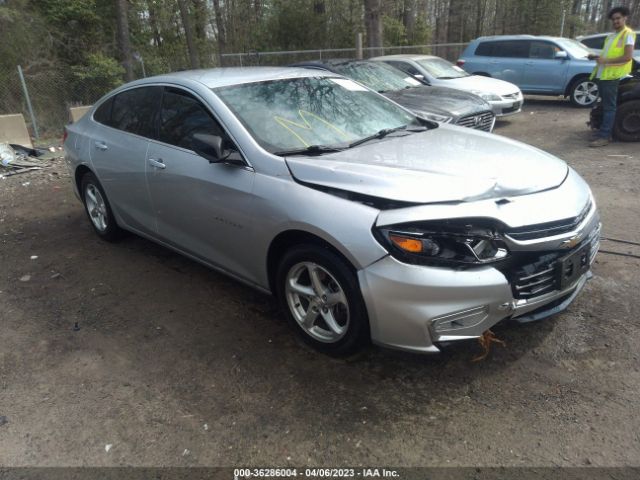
x=228, y=216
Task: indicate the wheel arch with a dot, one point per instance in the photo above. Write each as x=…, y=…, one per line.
x=482, y=74
x=289, y=238
x=80, y=172
x=574, y=79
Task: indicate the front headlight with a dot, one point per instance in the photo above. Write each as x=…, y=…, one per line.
x=456, y=243
x=489, y=97
x=434, y=117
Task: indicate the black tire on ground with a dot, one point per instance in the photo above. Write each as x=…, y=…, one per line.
x=627, y=125
x=342, y=278
x=89, y=185
x=583, y=92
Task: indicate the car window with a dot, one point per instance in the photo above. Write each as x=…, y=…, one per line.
x=542, y=50
x=441, y=69
x=405, y=67
x=182, y=116
x=299, y=112
x=103, y=112
x=377, y=76
x=504, y=48
x=637, y=46
x=136, y=111
x=596, y=42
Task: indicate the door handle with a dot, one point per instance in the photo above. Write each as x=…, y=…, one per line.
x=101, y=145
x=157, y=163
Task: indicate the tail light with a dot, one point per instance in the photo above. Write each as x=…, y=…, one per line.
x=65, y=135
x=460, y=63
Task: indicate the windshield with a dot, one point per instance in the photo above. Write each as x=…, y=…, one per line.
x=575, y=48
x=313, y=111
x=440, y=68
x=377, y=76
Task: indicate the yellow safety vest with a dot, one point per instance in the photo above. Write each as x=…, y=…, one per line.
x=614, y=49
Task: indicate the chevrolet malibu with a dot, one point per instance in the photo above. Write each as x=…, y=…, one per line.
x=365, y=221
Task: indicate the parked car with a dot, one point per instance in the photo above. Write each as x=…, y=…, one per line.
x=439, y=104
x=366, y=221
x=538, y=65
x=596, y=41
x=505, y=98
x=627, y=123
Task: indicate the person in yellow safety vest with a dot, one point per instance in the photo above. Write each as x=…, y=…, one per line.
x=613, y=64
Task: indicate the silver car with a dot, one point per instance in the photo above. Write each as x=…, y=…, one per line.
x=367, y=222
x=504, y=97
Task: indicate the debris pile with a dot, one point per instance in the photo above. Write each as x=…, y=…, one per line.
x=16, y=159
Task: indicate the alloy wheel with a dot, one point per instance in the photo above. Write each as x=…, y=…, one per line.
x=96, y=207
x=317, y=302
x=585, y=93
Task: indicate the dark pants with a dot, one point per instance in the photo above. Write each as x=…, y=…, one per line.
x=608, y=90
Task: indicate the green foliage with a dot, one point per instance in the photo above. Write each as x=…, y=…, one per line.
x=100, y=75
x=394, y=32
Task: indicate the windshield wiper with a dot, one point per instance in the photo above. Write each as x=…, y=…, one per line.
x=310, y=150
x=386, y=131
x=446, y=78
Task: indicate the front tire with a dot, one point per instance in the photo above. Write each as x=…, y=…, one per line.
x=98, y=209
x=627, y=125
x=320, y=295
x=583, y=92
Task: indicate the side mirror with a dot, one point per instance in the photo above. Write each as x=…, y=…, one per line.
x=561, y=55
x=208, y=146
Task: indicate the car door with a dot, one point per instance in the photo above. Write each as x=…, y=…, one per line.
x=504, y=59
x=118, y=148
x=543, y=72
x=202, y=208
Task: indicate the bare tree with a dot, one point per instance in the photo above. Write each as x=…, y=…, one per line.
x=122, y=38
x=192, y=48
x=373, y=24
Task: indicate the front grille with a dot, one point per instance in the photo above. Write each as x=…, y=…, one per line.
x=549, y=229
x=535, y=278
x=480, y=121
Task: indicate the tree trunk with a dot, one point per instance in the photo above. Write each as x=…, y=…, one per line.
x=188, y=32
x=373, y=25
x=122, y=38
x=409, y=18
x=220, y=30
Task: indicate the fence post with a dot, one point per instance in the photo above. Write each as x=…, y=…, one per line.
x=359, y=46
x=26, y=96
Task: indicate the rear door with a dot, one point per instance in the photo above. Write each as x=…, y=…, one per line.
x=543, y=73
x=118, y=149
x=202, y=208
x=503, y=59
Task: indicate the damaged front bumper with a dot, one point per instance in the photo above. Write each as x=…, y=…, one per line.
x=420, y=308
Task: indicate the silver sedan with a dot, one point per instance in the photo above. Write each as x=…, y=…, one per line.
x=366, y=222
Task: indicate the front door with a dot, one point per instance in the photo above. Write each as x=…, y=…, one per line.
x=202, y=208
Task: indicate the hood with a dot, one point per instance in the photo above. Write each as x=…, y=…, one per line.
x=483, y=84
x=446, y=164
x=441, y=100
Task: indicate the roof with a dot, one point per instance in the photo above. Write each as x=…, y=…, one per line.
x=219, y=77
x=520, y=37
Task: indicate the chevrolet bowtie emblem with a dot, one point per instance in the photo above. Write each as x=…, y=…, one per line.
x=572, y=242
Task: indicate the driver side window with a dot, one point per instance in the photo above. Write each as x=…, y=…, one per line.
x=182, y=116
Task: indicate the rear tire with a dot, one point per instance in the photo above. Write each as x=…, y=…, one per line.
x=627, y=125
x=321, y=298
x=98, y=209
x=583, y=92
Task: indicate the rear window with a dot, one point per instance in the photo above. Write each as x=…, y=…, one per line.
x=504, y=48
x=136, y=111
x=597, y=42
x=103, y=112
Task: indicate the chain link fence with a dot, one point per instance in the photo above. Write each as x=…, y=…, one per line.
x=53, y=91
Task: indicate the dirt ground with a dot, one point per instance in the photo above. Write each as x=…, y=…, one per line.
x=176, y=365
